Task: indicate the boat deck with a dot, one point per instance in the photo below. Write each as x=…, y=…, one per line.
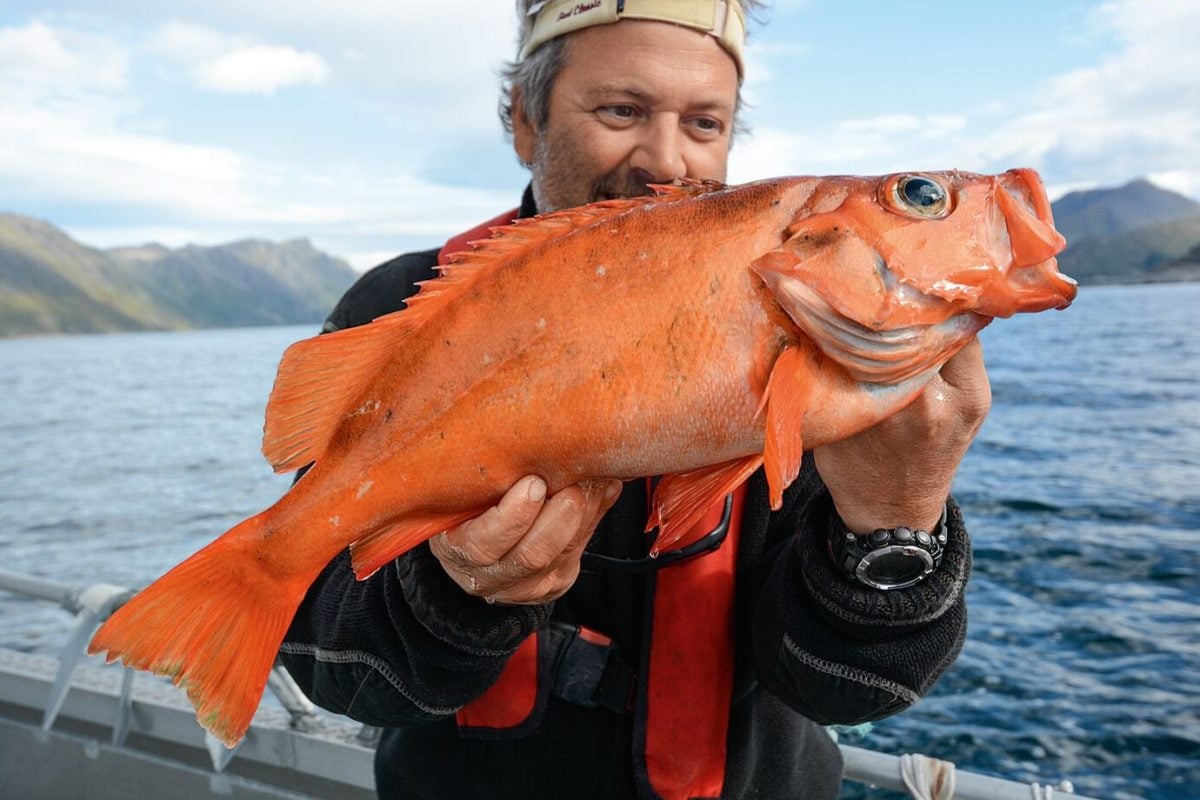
x=164, y=746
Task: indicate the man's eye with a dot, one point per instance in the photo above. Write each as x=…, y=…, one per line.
x=620, y=111
x=707, y=125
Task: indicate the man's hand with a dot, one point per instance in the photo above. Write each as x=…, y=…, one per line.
x=900, y=471
x=527, y=548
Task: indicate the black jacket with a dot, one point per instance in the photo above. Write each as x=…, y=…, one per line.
x=406, y=648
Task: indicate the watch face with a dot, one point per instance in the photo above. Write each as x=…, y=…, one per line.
x=895, y=567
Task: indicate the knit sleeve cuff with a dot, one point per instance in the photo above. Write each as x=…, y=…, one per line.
x=869, y=613
x=456, y=618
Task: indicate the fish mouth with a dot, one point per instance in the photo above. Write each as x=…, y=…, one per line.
x=1032, y=278
x=1028, y=289
x=873, y=356
x=1042, y=286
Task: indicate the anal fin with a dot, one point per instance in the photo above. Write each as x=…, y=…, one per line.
x=379, y=547
x=681, y=500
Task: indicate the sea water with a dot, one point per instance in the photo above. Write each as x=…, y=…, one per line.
x=122, y=454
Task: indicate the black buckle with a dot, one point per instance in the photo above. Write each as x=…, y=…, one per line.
x=595, y=562
x=589, y=674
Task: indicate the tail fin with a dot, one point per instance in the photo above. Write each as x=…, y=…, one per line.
x=213, y=624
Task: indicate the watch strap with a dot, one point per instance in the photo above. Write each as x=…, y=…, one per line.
x=887, y=558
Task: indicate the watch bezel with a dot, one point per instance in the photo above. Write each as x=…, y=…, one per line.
x=862, y=570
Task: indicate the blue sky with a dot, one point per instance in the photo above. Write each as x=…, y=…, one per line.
x=370, y=127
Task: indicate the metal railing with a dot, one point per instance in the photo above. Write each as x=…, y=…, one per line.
x=920, y=776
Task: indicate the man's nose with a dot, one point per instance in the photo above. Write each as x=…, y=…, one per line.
x=659, y=151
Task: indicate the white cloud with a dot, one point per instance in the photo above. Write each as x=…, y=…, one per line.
x=237, y=63
x=78, y=151
x=191, y=43
x=1134, y=112
x=38, y=58
x=873, y=145
x=74, y=133
x=1178, y=180
x=261, y=69
x=1137, y=112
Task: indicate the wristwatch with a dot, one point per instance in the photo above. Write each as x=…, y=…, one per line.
x=887, y=558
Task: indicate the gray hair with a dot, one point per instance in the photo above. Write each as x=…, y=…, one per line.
x=534, y=77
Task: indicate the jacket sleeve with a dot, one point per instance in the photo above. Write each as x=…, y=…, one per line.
x=406, y=645
x=840, y=652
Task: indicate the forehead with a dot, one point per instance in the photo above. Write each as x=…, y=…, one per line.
x=655, y=59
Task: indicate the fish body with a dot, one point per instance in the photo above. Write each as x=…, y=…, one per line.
x=697, y=335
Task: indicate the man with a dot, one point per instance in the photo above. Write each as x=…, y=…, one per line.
x=535, y=651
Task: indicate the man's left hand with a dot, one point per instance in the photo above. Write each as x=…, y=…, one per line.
x=900, y=471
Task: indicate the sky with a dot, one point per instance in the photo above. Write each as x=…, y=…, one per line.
x=370, y=127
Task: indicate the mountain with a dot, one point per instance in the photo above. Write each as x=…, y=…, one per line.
x=1129, y=256
x=1184, y=268
x=1120, y=234
x=1104, y=212
x=244, y=283
x=49, y=283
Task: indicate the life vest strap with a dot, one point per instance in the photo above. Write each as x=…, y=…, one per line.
x=567, y=661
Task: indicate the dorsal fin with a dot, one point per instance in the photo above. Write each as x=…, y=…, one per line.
x=523, y=235
x=685, y=187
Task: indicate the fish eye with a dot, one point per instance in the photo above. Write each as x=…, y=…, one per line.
x=920, y=196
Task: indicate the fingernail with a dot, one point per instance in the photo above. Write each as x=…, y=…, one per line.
x=537, y=490
x=612, y=490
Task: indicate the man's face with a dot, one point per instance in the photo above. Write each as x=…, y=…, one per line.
x=637, y=102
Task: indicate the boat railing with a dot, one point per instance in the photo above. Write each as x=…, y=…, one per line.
x=922, y=777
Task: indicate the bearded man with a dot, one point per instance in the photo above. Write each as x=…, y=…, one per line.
x=537, y=651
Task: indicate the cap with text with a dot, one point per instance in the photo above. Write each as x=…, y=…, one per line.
x=724, y=20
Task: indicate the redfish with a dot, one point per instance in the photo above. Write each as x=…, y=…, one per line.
x=697, y=334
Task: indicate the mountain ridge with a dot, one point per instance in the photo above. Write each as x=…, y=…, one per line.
x=50, y=283
x=1122, y=234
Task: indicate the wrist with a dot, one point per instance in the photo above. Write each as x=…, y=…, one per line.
x=887, y=558
x=870, y=514
x=868, y=613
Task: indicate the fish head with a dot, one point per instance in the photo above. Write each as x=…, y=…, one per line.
x=984, y=243
x=920, y=261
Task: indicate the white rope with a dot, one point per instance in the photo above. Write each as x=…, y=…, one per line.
x=927, y=778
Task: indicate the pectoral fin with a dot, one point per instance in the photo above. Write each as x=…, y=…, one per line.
x=786, y=400
x=320, y=382
x=682, y=500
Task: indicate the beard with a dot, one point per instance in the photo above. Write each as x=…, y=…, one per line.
x=560, y=178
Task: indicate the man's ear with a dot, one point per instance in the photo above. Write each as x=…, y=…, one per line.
x=524, y=135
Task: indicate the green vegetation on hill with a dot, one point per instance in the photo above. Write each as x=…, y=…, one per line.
x=1129, y=256
x=1122, y=234
x=50, y=283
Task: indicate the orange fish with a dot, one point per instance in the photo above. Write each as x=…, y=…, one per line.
x=697, y=334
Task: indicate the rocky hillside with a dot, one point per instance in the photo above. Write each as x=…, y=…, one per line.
x=1124, y=234
x=49, y=283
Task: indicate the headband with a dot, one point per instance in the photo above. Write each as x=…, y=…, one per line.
x=724, y=20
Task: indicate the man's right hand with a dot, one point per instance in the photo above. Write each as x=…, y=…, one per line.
x=526, y=549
